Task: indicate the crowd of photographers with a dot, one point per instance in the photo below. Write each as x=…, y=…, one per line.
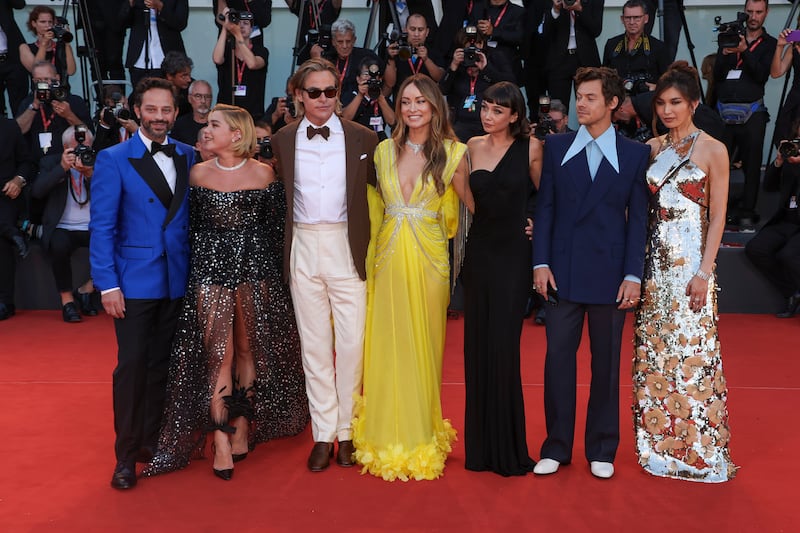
x=538, y=46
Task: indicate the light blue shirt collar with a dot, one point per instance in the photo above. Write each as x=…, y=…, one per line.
x=607, y=142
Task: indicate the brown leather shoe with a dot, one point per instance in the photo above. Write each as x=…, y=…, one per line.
x=344, y=457
x=320, y=456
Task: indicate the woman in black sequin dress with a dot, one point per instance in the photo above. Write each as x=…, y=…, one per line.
x=235, y=369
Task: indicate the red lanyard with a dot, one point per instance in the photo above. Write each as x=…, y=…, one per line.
x=375, y=112
x=313, y=23
x=415, y=69
x=500, y=16
x=77, y=187
x=240, y=66
x=472, y=83
x=752, y=47
x=344, y=70
x=46, y=121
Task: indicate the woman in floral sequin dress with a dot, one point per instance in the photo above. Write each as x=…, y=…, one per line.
x=235, y=370
x=679, y=404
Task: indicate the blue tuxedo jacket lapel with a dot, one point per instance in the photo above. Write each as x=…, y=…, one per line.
x=578, y=170
x=603, y=181
x=147, y=168
x=181, y=182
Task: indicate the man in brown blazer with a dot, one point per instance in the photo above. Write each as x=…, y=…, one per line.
x=326, y=165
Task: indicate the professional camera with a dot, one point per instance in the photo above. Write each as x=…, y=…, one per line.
x=290, y=105
x=48, y=92
x=729, y=33
x=264, y=148
x=235, y=16
x=636, y=83
x=790, y=148
x=405, y=50
x=84, y=152
x=321, y=37
x=545, y=125
x=375, y=82
x=34, y=231
x=111, y=114
x=568, y=3
x=470, y=50
x=60, y=31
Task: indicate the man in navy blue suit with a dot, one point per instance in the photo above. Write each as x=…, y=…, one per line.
x=139, y=252
x=588, y=242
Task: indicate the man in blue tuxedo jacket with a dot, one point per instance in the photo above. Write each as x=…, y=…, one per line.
x=589, y=242
x=139, y=252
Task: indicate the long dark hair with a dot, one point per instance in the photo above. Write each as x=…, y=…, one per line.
x=506, y=94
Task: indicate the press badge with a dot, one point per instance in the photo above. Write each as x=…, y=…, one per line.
x=376, y=122
x=469, y=103
x=793, y=202
x=240, y=90
x=45, y=140
x=734, y=74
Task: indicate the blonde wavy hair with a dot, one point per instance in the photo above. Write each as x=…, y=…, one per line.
x=440, y=128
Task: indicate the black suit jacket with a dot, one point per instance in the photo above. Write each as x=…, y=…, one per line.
x=10, y=27
x=15, y=155
x=785, y=180
x=51, y=185
x=588, y=26
x=171, y=21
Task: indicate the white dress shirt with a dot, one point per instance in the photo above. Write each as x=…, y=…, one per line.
x=164, y=162
x=606, y=142
x=154, y=50
x=320, y=175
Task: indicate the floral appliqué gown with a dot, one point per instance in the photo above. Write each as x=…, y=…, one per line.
x=236, y=243
x=398, y=430
x=680, y=395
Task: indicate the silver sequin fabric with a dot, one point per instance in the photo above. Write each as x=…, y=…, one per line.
x=679, y=390
x=236, y=259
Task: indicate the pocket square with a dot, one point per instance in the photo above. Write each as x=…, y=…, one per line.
x=363, y=156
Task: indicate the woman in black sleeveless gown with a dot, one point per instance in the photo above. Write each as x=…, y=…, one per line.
x=497, y=281
x=235, y=370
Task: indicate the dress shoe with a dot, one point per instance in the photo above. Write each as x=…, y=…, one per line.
x=792, y=307
x=344, y=456
x=546, y=466
x=541, y=316
x=601, y=469
x=320, y=456
x=70, y=312
x=21, y=244
x=84, y=301
x=124, y=476
x=226, y=474
x=6, y=311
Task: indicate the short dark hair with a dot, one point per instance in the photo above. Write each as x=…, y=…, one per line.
x=609, y=79
x=765, y=1
x=147, y=84
x=683, y=78
x=175, y=62
x=506, y=94
x=636, y=3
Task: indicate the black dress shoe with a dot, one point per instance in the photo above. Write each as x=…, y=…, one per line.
x=70, y=312
x=21, y=244
x=344, y=456
x=226, y=474
x=792, y=307
x=6, y=311
x=84, y=301
x=239, y=457
x=124, y=476
x=320, y=457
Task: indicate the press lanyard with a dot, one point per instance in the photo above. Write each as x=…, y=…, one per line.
x=313, y=23
x=472, y=83
x=500, y=16
x=415, y=69
x=752, y=47
x=77, y=188
x=344, y=70
x=240, y=66
x=46, y=121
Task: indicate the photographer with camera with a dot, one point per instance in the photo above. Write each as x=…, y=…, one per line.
x=281, y=110
x=740, y=73
x=551, y=118
x=409, y=54
x=638, y=58
x=311, y=26
x=775, y=249
x=13, y=76
x=503, y=25
x=187, y=126
x=570, y=29
x=472, y=70
x=115, y=122
x=787, y=54
x=52, y=42
x=261, y=10
x=16, y=170
x=63, y=184
x=369, y=107
x=47, y=113
x=264, y=153
x=345, y=56
x=241, y=64
x=156, y=27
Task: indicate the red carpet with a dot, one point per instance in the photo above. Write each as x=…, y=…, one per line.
x=56, y=455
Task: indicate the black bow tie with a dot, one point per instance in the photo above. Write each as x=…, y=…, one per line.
x=168, y=149
x=325, y=131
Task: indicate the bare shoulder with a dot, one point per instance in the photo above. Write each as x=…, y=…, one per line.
x=263, y=173
x=655, y=144
x=711, y=146
x=199, y=173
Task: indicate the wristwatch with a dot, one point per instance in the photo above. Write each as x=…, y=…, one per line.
x=23, y=181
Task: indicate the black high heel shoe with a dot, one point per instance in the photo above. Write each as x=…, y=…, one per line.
x=239, y=457
x=227, y=473
x=240, y=404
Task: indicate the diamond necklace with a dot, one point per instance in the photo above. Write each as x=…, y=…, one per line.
x=416, y=148
x=234, y=167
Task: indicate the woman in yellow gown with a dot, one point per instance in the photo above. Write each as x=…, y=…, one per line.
x=399, y=432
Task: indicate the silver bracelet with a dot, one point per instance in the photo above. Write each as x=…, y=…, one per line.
x=705, y=276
